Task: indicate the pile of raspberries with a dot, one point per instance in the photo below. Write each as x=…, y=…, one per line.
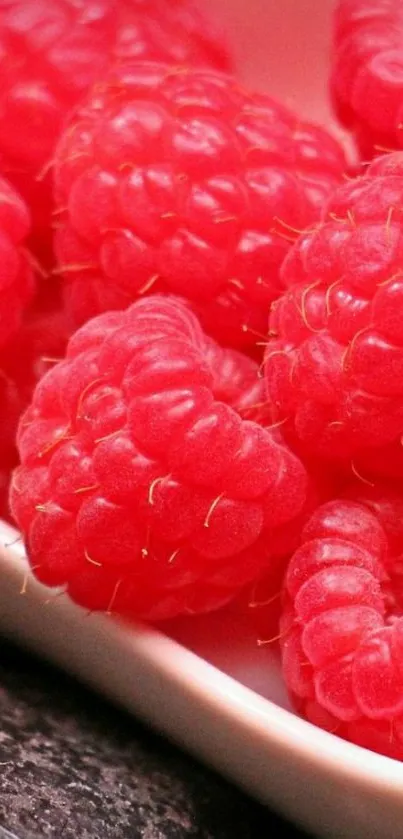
x=201, y=337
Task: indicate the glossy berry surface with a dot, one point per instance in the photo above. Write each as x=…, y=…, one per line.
x=141, y=489
x=342, y=637
x=180, y=181
x=17, y=281
x=51, y=51
x=367, y=76
x=335, y=363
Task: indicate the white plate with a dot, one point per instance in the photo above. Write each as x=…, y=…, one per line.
x=233, y=718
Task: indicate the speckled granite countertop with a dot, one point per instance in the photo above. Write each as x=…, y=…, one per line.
x=73, y=767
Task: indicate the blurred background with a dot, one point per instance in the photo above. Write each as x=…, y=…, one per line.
x=281, y=46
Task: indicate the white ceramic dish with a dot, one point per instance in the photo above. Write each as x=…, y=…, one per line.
x=224, y=702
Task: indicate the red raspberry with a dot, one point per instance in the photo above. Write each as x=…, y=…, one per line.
x=39, y=343
x=261, y=601
x=53, y=50
x=5, y=477
x=335, y=369
x=16, y=274
x=259, y=607
x=341, y=648
x=181, y=182
x=385, y=501
x=40, y=340
x=367, y=77
x=140, y=490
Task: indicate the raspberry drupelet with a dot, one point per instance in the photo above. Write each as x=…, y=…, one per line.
x=342, y=633
x=334, y=367
x=180, y=181
x=17, y=275
x=53, y=50
x=367, y=75
x=140, y=489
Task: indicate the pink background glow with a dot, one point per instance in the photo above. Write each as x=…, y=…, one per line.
x=282, y=47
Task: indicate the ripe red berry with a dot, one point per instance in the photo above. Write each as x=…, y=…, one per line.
x=367, y=77
x=259, y=603
x=140, y=489
x=385, y=501
x=341, y=645
x=182, y=182
x=53, y=50
x=16, y=274
x=259, y=606
x=335, y=368
x=37, y=344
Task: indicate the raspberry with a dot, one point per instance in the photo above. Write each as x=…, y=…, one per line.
x=181, y=182
x=5, y=476
x=367, y=77
x=16, y=274
x=236, y=381
x=140, y=490
x=53, y=50
x=341, y=646
x=334, y=369
x=38, y=344
x=23, y=361
x=385, y=501
x=261, y=601
x=259, y=606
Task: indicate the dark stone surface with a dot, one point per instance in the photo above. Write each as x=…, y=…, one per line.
x=73, y=767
